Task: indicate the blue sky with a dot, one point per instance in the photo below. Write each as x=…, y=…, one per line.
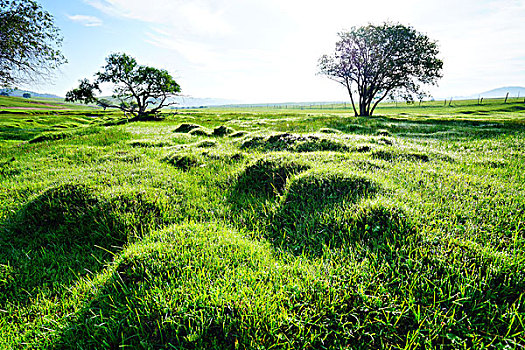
x=267, y=50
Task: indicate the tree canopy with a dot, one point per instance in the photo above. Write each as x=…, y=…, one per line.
x=139, y=90
x=376, y=62
x=29, y=42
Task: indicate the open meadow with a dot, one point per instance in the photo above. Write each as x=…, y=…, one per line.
x=263, y=228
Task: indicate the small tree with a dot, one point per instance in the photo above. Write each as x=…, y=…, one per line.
x=26, y=95
x=375, y=62
x=29, y=42
x=139, y=90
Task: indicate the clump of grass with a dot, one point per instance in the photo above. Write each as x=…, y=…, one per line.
x=183, y=161
x=222, y=131
x=384, y=141
x=312, y=215
x=186, y=127
x=200, y=132
x=378, y=220
x=320, y=144
x=206, y=144
x=58, y=215
x=196, y=287
x=268, y=174
x=316, y=188
x=79, y=214
x=293, y=142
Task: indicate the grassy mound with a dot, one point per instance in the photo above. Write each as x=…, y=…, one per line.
x=222, y=131
x=316, y=188
x=68, y=231
x=186, y=127
x=61, y=214
x=376, y=221
x=196, y=287
x=60, y=135
x=200, y=132
x=206, y=144
x=267, y=175
x=183, y=161
x=79, y=214
x=392, y=155
x=293, y=142
x=308, y=218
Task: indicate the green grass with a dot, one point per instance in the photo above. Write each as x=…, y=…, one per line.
x=287, y=229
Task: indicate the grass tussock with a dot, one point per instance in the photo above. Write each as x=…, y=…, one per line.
x=316, y=188
x=200, y=132
x=183, y=161
x=186, y=127
x=268, y=174
x=294, y=143
x=76, y=214
x=206, y=144
x=222, y=131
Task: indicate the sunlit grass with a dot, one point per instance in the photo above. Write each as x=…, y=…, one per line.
x=271, y=229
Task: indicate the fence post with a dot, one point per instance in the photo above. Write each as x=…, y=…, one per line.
x=506, y=97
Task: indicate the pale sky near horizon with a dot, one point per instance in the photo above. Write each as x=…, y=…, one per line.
x=267, y=50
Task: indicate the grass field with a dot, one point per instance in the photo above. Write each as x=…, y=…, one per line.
x=264, y=228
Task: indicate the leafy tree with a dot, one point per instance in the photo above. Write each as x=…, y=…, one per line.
x=26, y=95
x=135, y=88
x=375, y=62
x=29, y=42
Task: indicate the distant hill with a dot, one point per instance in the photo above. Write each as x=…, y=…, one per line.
x=513, y=91
x=19, y=93
x=183, y=101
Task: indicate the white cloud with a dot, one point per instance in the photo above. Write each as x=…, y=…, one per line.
x=268, y=49
x=88, y=21
x=200, y=17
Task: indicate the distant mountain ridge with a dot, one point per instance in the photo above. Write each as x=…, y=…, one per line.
x=20, y=93
x=513, y=91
